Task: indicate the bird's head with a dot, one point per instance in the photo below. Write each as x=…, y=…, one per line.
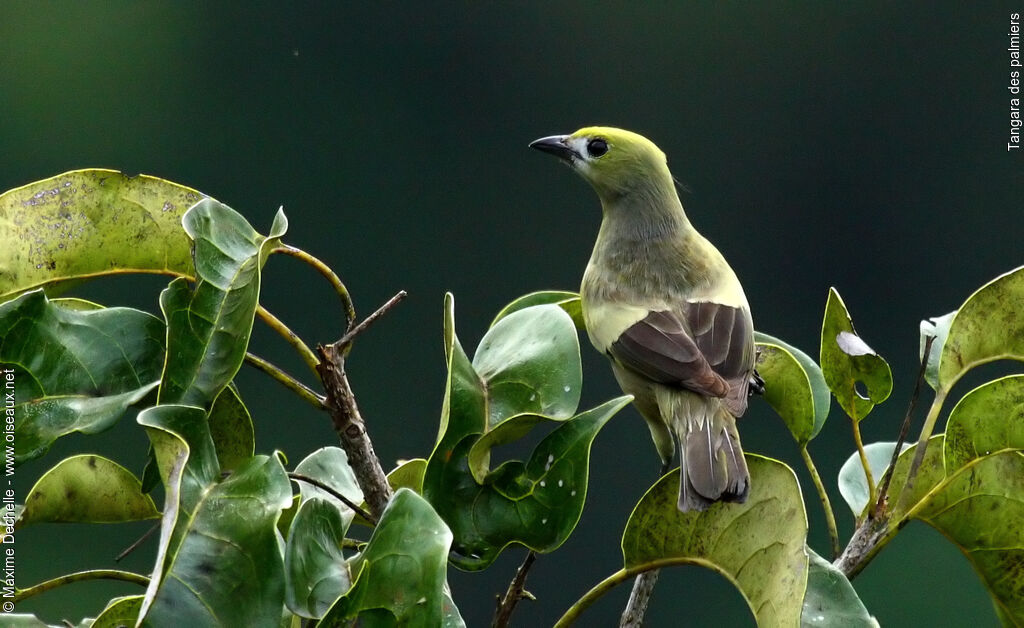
x=614, y=161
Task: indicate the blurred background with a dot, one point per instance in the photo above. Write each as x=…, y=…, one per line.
x=861, y=147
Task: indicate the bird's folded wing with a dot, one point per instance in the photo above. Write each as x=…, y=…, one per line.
x=702, y=346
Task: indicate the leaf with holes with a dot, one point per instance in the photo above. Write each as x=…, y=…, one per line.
x=793, y=386
x=87, y=223
x=87, y=489
x=758, y=545
x=208, y=327
x=74, y=370
x=847, y=360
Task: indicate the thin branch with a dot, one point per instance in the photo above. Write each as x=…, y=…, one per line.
x=93, y=574
x=830, y=517
x=325, y=270
x=131, y=548
x=516, y=591
x=356, y=508
x=290, y=337
x=305, y=392
x=371, y=319
x=887, y=477
x=639, y=599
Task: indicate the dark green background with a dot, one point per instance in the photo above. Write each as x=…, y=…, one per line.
x=861, y=147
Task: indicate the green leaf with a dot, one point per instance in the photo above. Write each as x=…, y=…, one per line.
x=231, y=429
x=24, y=620
x=408, y=474
x=330, y=466
x=758, y=545
x=986, y=420
x=187, y=463
x=87, y=223
x=846, y=360
x=793, y=386
x=401, y=575
x=988, y=326
x=529, y=361
x=208, y=328
x=568, y=301
x=120, y=612
x=316, y=574
x=87, y=489
x=228, y=570
x=937, y=328
x=536, y=503
x=831, y=601
x=71, y=370
x=853, y=485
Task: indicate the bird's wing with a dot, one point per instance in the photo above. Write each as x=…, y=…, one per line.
x=701, y=346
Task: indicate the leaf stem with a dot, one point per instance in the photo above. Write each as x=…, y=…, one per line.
x=289, y=382
x=92, y=574
x=516, y=591
x=290, y=337
x=299, y=477
x=922, y=442
x=330, y=275
x=830, y=517
x=872, y=489
x=621, y=576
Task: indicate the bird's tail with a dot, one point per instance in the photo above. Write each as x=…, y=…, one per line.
x=711, y=460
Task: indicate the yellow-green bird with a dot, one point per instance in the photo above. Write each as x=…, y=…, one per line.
x=663, y=304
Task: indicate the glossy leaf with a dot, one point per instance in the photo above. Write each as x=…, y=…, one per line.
x=758, y=545
x=231, y=429
x=529, y=361
x=986, y=420
x=853, y=484
x=330, y=466
x=847, y=360
x=120, y=612
x=208, y=328
x=536, y=503
x=988, y=326
x=568, y=301
x=228, y=570
x=401, y=575
x=87, y=223
x=408, y=474
x=831, y=601
x=316, y=574
x=187, y=463
x=794, y=386
x=87, y=489
x=74, y=370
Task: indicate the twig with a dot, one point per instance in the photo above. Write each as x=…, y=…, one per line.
x=131, y=548
x=290, y=337
x=639, y=598
x=516, y=591
x=92, y=574
x=830, y=517
x=887, y=477
x=299, y=477
x=325, y=270
x=371, y=319
x=303, y=391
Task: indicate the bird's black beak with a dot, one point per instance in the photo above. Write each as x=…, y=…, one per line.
x=556, y=145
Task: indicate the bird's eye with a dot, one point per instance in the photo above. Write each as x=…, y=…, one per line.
x=597, y=147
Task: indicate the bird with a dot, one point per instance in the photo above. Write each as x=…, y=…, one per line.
x=661, y=302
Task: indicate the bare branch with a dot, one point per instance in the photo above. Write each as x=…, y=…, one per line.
x=516, y=591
